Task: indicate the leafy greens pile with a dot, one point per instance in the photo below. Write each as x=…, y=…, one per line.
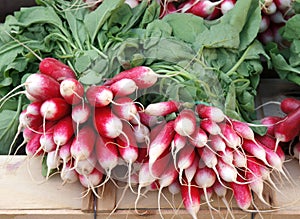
x=216, y=62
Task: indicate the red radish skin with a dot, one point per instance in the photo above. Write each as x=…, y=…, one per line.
x=185, y=122
x=211, y=112
x=123, y=87
x=125, y=108
x=199, y=138
x=72, y=91
x=161, y=143
x=239, y=159
x=107, y=123
x=167, y=8
x=289, y=104
x=227, y=172
x=230, y=136
x=254, y=149
x=34, y=108
x=83, y=144
x=148, y=120
x=52, y=162
x=143, y=76
x=217, y=143
x=254, y=177
x=185, y=159
x=99, y=96
x=177, y=144
x=270, y=122
x=107, y=155
x=162, y=162
x=241, y=193
x=203, y=8
x=192, y=206
x=210, y=126
x=288, y=128
x=32, y=146
x=243, y=130
x=55, y=109
x=42, y=87
x=269, y=9
x=283, y=4
x=162, y=108
x=91, y=180
x=63, y=131
x=56, y=69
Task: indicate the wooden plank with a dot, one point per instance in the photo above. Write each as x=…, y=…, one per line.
x=23, y=187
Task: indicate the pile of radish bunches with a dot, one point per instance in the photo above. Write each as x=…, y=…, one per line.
x=87, y=134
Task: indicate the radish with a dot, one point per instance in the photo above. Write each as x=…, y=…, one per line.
x=205, y=177
x=42, y=87
x=145, y=179
x=99, y=96
x=162, y=108
x=80, y=114
x=185, y=122
x=132, y=3
x=107, y=123
x=161, y=143
x=296, y=151
x=68, y=174
x=191, y=205
x=167, y=8
x=243, y=130
x=210, y=126
x=174, y=188
x=56, y=69
x=65, y=153
x=199, y=138
x=52, y=162
x=143, y=76
x=63, y=131
x=162, y=163
x=148, y=120
x=168, y=176
x=239, y=159
x=227, y=172
x=125, y=108
x=288, y=104
x=230, y=136
x=221, y=192
x=55, y=109
x=86, y=166
x=254, y=177
x=33, y=146
x=283, y=4
x=269, y=9
x=91, y=180
x=227, y=155
x=278, y=18
x=265, y=23
x=107, y=155
x=29, y=120
x=270, y=122
x=34, y=108
x=288, y=128
x=254, y=149
x=211, y=112
x=203, y=8
x=141, y=133
x=123, y=87
x=190, y=172
x=72, y=91
x=47, y=142
x=83, y=144
x=185, y=159
x=128, y=150
x=241, y=193
x=227, y=5
x=177, y=144
x=217, y=143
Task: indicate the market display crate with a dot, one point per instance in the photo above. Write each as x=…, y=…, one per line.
x=26, y=194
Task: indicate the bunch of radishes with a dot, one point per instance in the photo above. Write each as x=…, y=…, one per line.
x=284, y=131
x=87, y=133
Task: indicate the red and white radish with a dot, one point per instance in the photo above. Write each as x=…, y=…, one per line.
x=72, y=91
x=185, y=123
x=99, y=96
